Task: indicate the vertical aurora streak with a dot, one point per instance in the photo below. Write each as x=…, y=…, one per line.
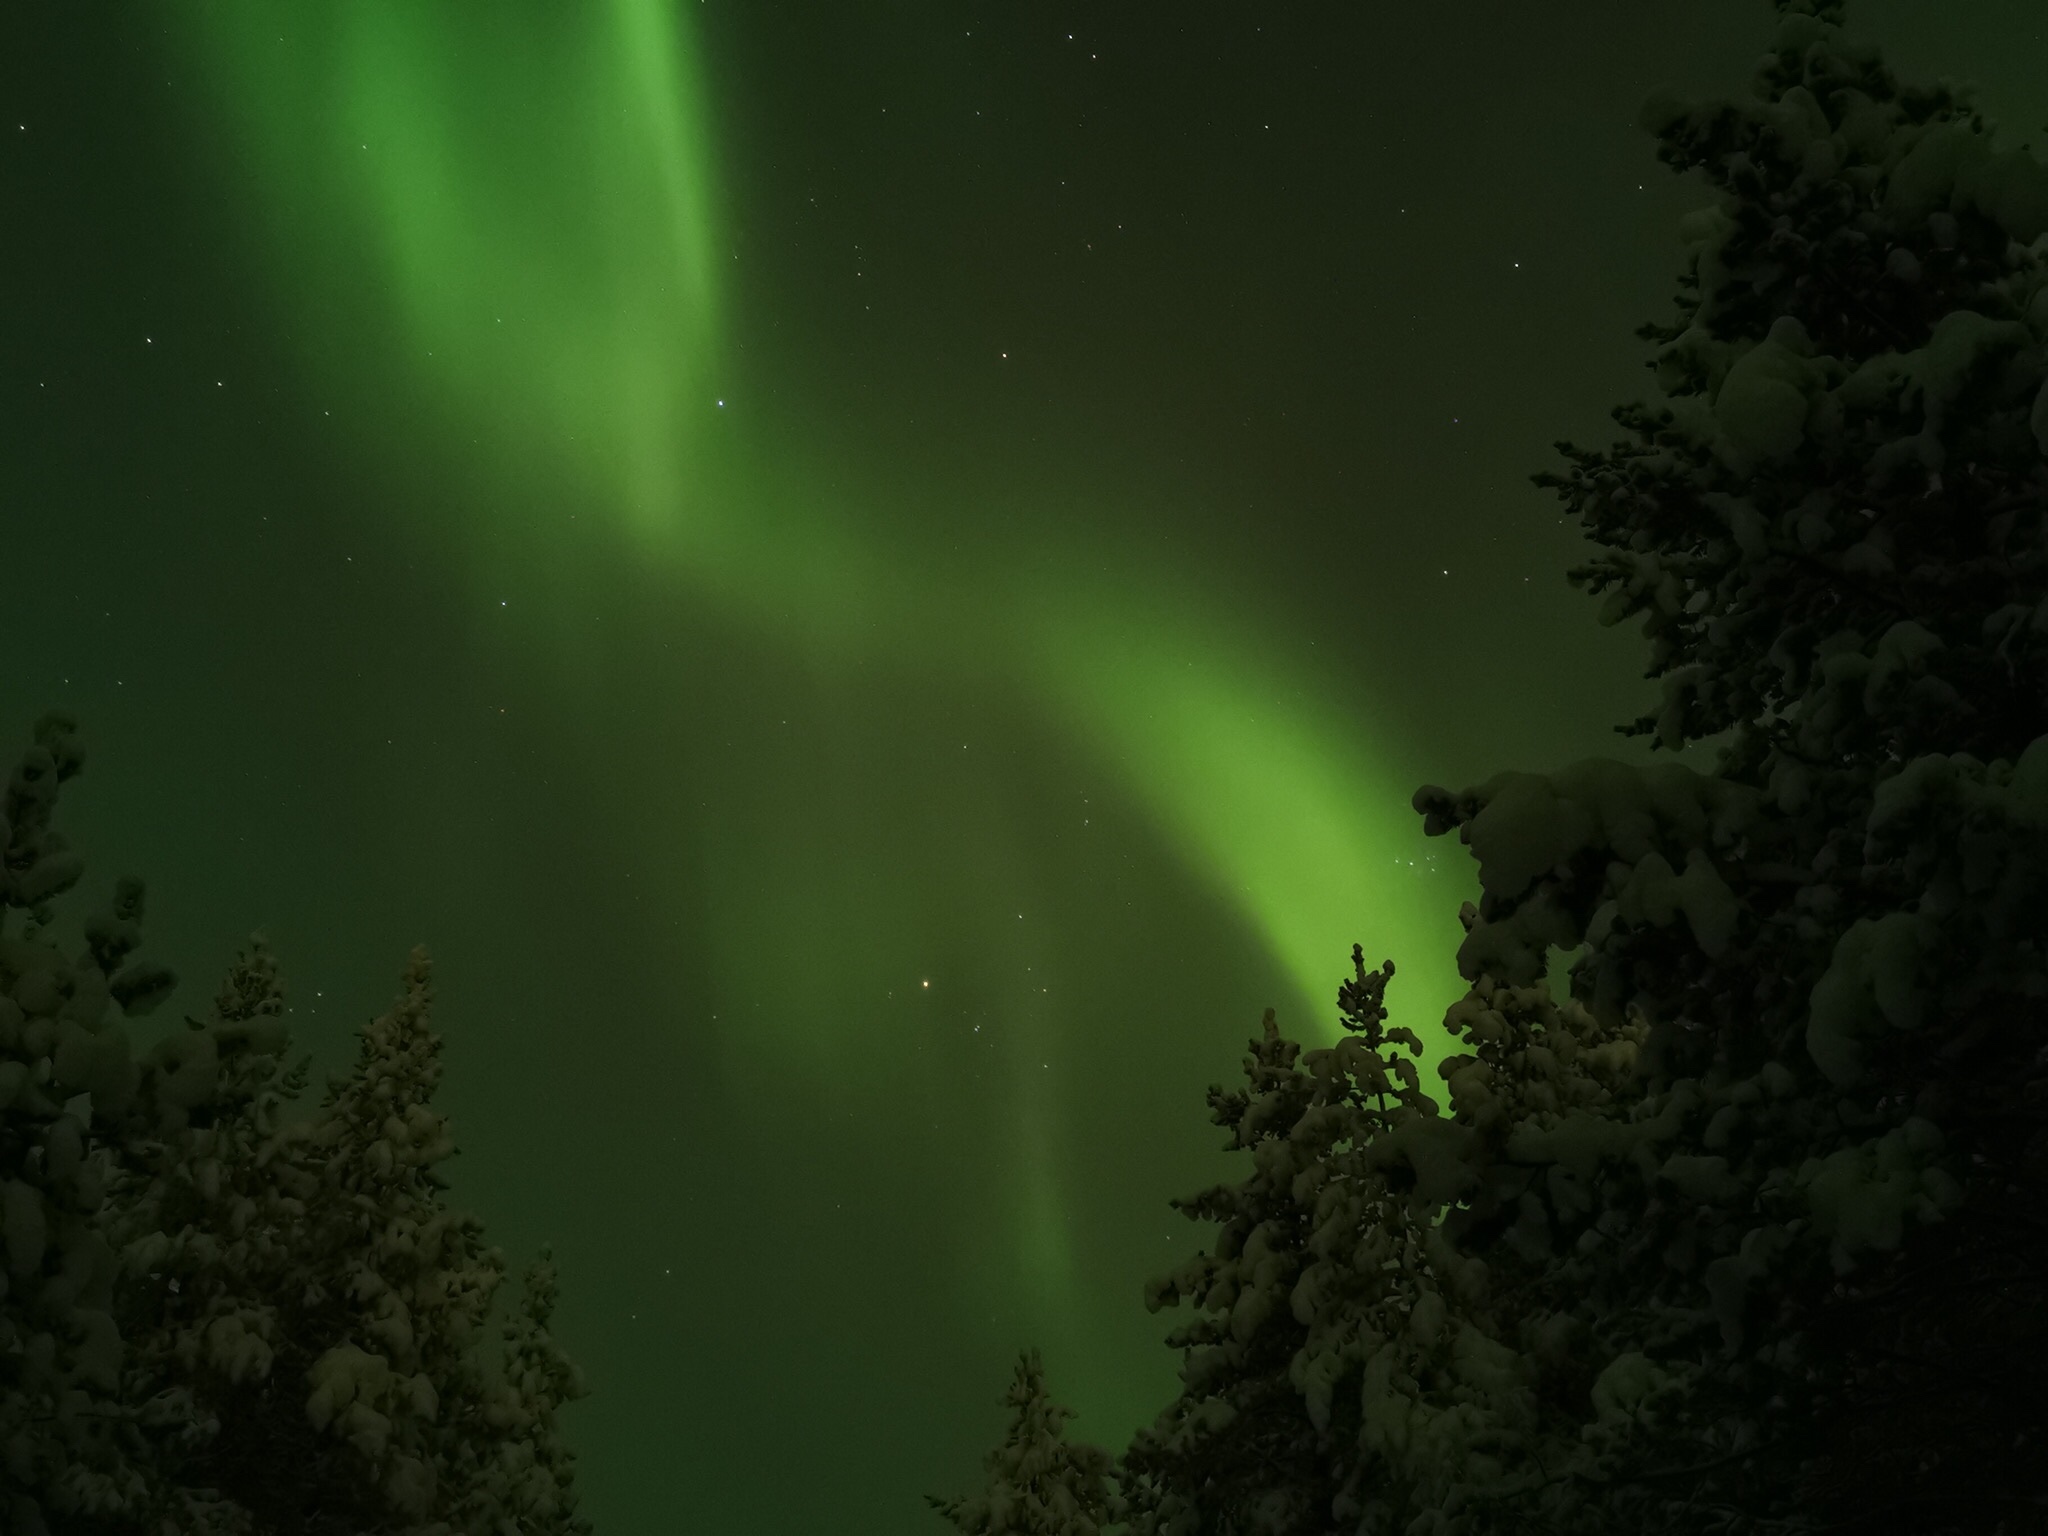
x=494, y=228
x=514, y=198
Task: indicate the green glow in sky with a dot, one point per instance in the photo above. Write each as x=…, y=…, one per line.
x=519, y=196
x=494, y=229
x=854, y=822
x=527, y=192
x=1250, y=771
x=873, y=580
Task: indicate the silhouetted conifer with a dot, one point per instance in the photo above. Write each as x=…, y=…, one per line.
x=216, y=1320
x=1037, y=1483
x=66, y=1437
x=515, y=1472
x=1743, y=1236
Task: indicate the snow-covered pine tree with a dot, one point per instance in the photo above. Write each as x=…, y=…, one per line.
x=211, y=1267
x=268, y=1255
x=1325, y=1283
x=1833, y=530
x=1740, y=1240
x=1357, y=1370
x=66, y=1439
x=508, y=1469
x=1038, y=1483
x=1237, y=1417
x=182, y=1262
x=397, y=1283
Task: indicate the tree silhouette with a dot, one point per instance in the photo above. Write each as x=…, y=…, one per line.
x=217, y=1318
x=1743, y=1235
x=1037, y=1484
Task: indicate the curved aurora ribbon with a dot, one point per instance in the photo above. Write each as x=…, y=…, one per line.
x=494, y=224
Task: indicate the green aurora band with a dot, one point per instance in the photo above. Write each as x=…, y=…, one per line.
x=517, y=202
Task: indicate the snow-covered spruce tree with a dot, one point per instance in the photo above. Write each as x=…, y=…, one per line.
x=232, y=1290
x=519, y=1478
x=1038, y=1484
x=211, y=1264
x=1238, y=1419
x=1833, y=530
x=399, y=1283
x=1744, y=1234
x=266, y=1257
x=65, y=1437
x=1359, y=1370
x=191, y=1280
x=1324, y=1251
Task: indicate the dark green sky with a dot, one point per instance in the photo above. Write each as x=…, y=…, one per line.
x=1117, y=505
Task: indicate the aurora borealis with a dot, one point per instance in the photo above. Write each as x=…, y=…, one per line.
x=873, y=581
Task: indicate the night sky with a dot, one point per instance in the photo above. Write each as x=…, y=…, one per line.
x=873, y=580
